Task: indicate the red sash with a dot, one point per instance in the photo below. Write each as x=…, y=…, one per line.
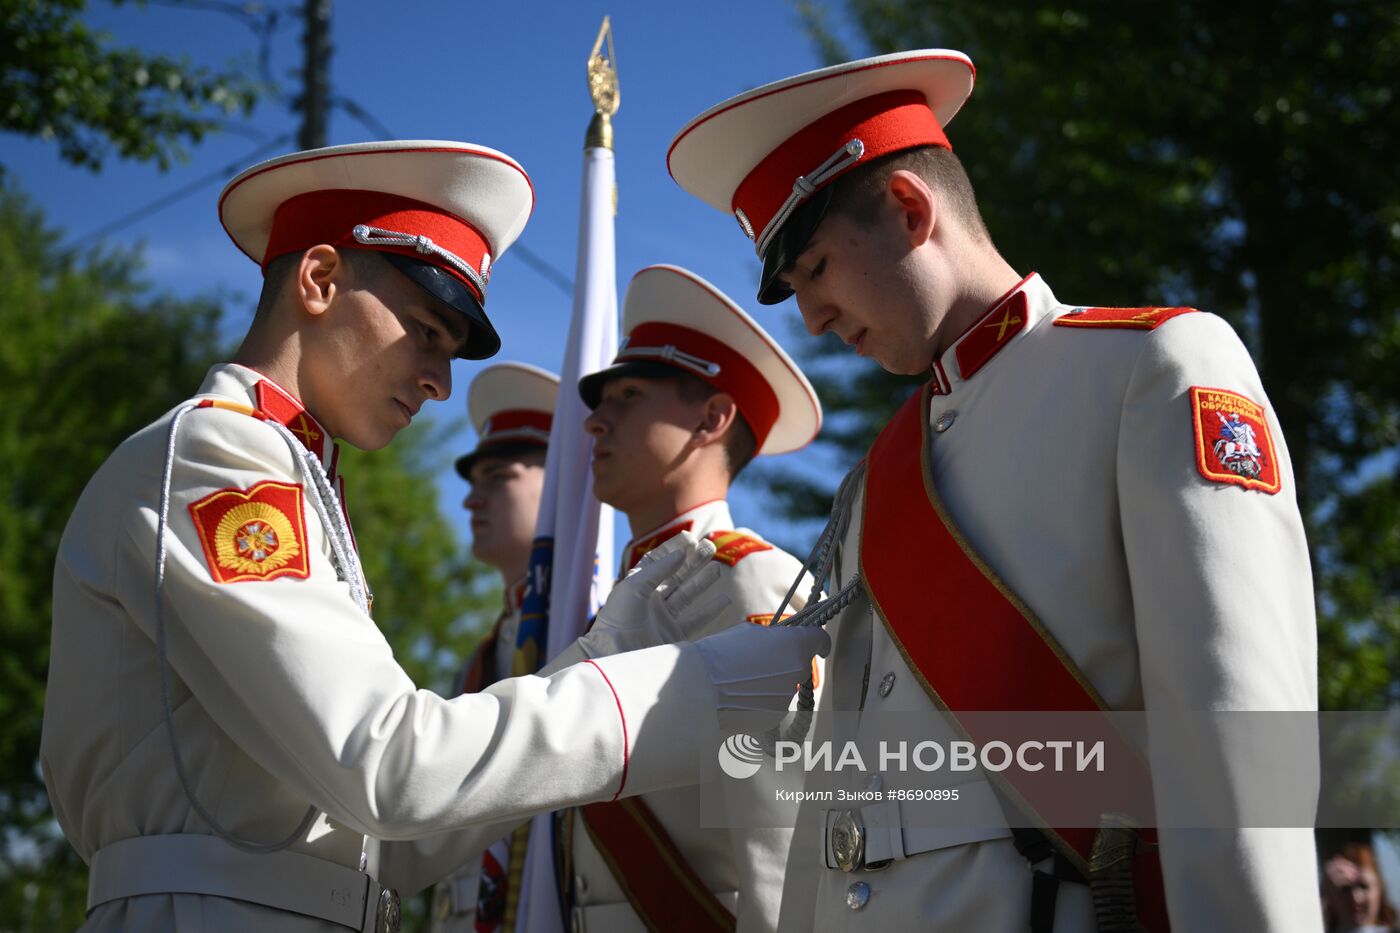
x=981, y=648
x=659, y=883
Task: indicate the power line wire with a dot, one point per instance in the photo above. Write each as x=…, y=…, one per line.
x=180, y=194
x=545, y=268
x=264, y=21
x=366, y=118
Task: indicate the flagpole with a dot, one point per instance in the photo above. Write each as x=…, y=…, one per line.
x=571, y=567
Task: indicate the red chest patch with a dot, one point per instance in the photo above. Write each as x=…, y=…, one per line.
x=1129, y=318
x=259, y=534
x=733, y=546
x=1233, y=442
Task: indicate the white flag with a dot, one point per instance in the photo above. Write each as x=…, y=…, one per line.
x=571, y=566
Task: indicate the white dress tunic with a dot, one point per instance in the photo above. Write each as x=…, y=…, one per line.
x=286, y=696
x=1067, y=461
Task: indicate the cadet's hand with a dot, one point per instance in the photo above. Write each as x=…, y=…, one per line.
x=662, y=600
x=755, y=667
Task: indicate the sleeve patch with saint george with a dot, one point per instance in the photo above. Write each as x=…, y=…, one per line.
x=1233, y=443
x=253, y=534
x=733, y=546
x=1121, y=318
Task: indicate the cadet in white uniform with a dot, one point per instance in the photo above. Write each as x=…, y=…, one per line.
x=226, y=731
x=1054, y=509
x=511, y=406
x=697, y=390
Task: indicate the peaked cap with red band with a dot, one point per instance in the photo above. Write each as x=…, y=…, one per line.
x=440, y=212
x=770, y=155
x=510, y=405
x=672, y=318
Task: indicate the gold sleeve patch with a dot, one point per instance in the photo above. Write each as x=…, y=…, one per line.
x=733, y=546
x=1123, y=318
x=253, y=534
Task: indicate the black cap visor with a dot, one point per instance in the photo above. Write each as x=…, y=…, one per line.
x=505, y=449
x=788, y=243
x=482, y=340
x=590, y=387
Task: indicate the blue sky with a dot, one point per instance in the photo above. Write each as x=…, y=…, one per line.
x=510, y=76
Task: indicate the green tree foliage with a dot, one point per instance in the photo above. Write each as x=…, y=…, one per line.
x=60, y=80
x=89, y=355
x=87, y=358
x=1235, y=157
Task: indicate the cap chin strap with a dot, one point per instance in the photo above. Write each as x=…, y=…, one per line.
x=804, y=187
x=670, y=354
x=378, y=236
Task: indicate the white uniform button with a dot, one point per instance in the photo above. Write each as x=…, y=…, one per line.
x=887, y=684
x=580, y=885
x=858, y=895
x=945, y=421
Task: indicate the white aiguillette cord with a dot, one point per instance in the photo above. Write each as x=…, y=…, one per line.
x=819, y=611
x=347, y=565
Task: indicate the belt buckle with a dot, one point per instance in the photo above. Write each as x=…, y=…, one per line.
x=388, y=913
x=848, y=840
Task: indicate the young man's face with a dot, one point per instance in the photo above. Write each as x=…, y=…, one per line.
x=504, y=501
x=383, y=347
x=865, y=284
x=641, y=430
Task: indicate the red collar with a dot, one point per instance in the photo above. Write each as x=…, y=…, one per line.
x=278, y=403
x=641, y=546
x=515, y=594
x=706, y=514
x=984, y=338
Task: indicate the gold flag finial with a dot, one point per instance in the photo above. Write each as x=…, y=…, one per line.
x=603, y=88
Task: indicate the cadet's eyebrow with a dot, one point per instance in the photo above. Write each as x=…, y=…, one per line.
x=453, y=327
x=785, y=273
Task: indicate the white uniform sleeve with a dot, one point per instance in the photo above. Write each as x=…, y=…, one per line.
x=305, y=684
x=756, y=586
x=1223, y=602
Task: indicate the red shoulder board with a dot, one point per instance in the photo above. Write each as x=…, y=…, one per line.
x=734, y=546
x=257, y=534
x=1130, y=318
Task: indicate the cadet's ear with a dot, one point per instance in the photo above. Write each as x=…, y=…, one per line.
x=317, y=274
x=915, y=203
x=719, y=413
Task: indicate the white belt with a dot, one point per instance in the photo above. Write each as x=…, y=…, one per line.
x=190, y=863
x=621, y=918
x=897, y=829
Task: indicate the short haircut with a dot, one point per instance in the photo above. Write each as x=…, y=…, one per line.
x=519, y=449
x=512, y=450
x=859, y=193
x=365, y=263
x=740, y=445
